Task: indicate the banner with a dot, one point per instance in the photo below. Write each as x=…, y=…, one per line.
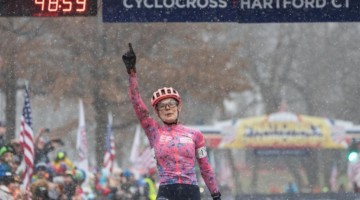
x=109, y=156
x=241, y=11
x=283, y=130
x=169, y=11
x=300, y=196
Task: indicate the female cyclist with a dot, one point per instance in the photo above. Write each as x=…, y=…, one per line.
x=176, y=146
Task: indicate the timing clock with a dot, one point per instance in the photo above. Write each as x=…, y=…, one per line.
x=48, y=8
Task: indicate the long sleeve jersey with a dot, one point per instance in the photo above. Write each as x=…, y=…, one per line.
x=176, y=147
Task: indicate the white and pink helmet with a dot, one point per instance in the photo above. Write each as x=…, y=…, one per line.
x=163, y=93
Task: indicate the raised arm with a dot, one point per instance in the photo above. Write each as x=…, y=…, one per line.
x=140, y=108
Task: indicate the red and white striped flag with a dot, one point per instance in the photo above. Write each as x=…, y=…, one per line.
x=27, y=141
x=109, y=157
x=142, y=160
x=146, y=159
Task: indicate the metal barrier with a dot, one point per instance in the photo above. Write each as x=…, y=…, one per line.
x=300, y=196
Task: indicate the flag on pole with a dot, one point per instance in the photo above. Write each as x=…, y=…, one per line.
x=146, y=159
x=136, y=145
x=224, y=171
x=109, y=157
x=333, y=178
x=142, y=160
x=81, y=140
x=27, y=141
x=229, y=133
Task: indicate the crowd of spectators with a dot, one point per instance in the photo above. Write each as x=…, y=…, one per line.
x=60, y=179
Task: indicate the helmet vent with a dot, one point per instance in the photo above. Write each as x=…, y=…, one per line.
x=163, y=93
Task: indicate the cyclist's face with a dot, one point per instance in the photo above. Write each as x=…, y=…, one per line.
x=168, y=110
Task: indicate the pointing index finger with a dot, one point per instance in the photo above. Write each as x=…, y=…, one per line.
x=130, y=47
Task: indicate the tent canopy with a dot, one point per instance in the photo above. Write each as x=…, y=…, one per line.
x=278, y=130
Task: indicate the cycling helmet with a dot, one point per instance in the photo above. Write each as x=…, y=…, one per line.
x=127, y=173
x=41, y=166
x=6, y=149
x=163, y=93
x=79, y=175
x=60, y=155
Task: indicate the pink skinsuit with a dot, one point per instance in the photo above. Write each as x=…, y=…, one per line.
x=175, y=146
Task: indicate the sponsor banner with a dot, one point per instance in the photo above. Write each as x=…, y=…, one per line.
x=301, y=196
x=241, y=11
x=281, y=152
x=283, y=131
x=255, y=11
x=170, y=11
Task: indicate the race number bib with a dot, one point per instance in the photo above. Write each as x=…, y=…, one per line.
x=201, y=152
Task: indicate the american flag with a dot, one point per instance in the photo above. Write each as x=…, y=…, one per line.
x=27, y=141
x=142, y=160
x=146, y=159
x=109, y=156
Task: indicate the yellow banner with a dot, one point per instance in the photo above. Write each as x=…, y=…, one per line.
x=298, y=132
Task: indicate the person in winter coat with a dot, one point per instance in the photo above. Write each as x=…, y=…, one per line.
x=150, y=186
x=8, y=185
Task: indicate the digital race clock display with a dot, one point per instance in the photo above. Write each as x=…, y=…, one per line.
x=64, y=7
x=48, y=8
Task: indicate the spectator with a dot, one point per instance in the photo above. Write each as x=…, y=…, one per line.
x=40, y=190
x=41, y=172
x=79, y=177
x=129, y=186
x=43, y=148
x=55, y=191
x=150, y=190
x=69, y=184
x=291, y=188
x=102, y=185
x=18, y=153
x=62, y=163
x=6, y=155
x=8, y=184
